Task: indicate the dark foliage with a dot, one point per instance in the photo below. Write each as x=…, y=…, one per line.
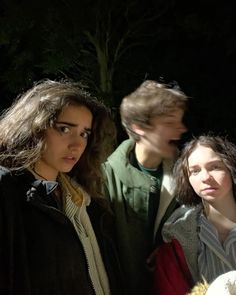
x=112, y=46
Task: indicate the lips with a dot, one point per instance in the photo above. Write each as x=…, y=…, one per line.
x=70, y=159
x=209, y=189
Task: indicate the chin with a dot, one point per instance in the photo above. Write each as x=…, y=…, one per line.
x=66, y=170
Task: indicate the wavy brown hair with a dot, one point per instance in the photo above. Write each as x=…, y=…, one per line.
x=23, y=125
x=225, y=149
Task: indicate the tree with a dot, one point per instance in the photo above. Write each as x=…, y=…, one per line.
x=90, y=41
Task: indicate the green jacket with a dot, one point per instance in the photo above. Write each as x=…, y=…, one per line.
x=128, y=190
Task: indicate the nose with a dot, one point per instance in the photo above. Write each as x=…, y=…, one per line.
x=76, y=141
x=205, y=175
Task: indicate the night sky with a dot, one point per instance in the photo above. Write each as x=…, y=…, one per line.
x=192, y=42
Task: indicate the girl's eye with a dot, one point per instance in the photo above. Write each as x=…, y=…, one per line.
x=63, y=129
x=194, y=172
x=217, y=167
x=85, y=134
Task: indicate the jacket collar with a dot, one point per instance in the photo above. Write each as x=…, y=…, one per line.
x=119, y=161
x=133, y=177
x=36, y=190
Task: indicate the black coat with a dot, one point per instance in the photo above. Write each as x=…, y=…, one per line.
x=40, y=252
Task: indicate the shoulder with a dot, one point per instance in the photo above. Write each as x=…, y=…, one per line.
x=184, y=213
x=4, y=173
x=121, y=152
x=118, y=161
x=183, y=221
x=8, y=186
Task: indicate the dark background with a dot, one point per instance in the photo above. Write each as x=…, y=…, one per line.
x=112, y=46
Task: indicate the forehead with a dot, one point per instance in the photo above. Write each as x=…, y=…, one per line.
x=74, y=108
x=175, y=114
x=202, y=154
x=75, y=114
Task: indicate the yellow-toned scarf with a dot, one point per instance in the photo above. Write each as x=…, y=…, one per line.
x=67, y=184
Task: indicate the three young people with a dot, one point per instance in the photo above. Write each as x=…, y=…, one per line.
x=56, y=229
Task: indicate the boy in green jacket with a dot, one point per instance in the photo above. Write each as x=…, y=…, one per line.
x=138, y=175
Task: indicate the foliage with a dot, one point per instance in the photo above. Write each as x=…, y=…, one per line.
x=112, y=46
x=81, y=40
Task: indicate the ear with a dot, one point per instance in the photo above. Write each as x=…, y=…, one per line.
x=137, y=129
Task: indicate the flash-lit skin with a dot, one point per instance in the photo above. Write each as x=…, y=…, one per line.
x=66, y=142
x=209, y=177
x=211, y=180
x=154, y=144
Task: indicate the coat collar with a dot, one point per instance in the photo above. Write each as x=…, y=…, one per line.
x=35, y=187
x=38, y=193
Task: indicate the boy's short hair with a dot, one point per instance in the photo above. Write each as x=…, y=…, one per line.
x=149, y=100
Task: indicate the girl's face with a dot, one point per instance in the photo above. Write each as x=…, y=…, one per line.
x=208, y=175
x=65, y=142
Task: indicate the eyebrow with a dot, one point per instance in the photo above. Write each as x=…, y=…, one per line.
x=208, y=163
x=66, y=123
x=192, y=167
x=72, y=125
x=169, y=117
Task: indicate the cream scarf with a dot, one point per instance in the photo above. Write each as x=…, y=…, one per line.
x=75, y=209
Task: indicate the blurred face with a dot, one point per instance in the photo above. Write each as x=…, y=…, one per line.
x=65, y=142
x=208, y=175
x=160, y=138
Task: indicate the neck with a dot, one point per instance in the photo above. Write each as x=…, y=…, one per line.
x=37, y=174
x=43, y=171
x=226, y=210
x=223, y=220
x=41, y=175
x=147, y=158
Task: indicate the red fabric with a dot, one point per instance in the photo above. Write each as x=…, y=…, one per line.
x=171, y=274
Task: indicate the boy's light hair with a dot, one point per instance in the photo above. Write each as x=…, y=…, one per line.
x=149, y=100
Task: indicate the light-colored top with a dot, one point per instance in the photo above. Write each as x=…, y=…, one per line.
x=81, y=221
x=215, y=258
x=185, y=225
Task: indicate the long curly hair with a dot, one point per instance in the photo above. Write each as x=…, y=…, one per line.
x=23, y=125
